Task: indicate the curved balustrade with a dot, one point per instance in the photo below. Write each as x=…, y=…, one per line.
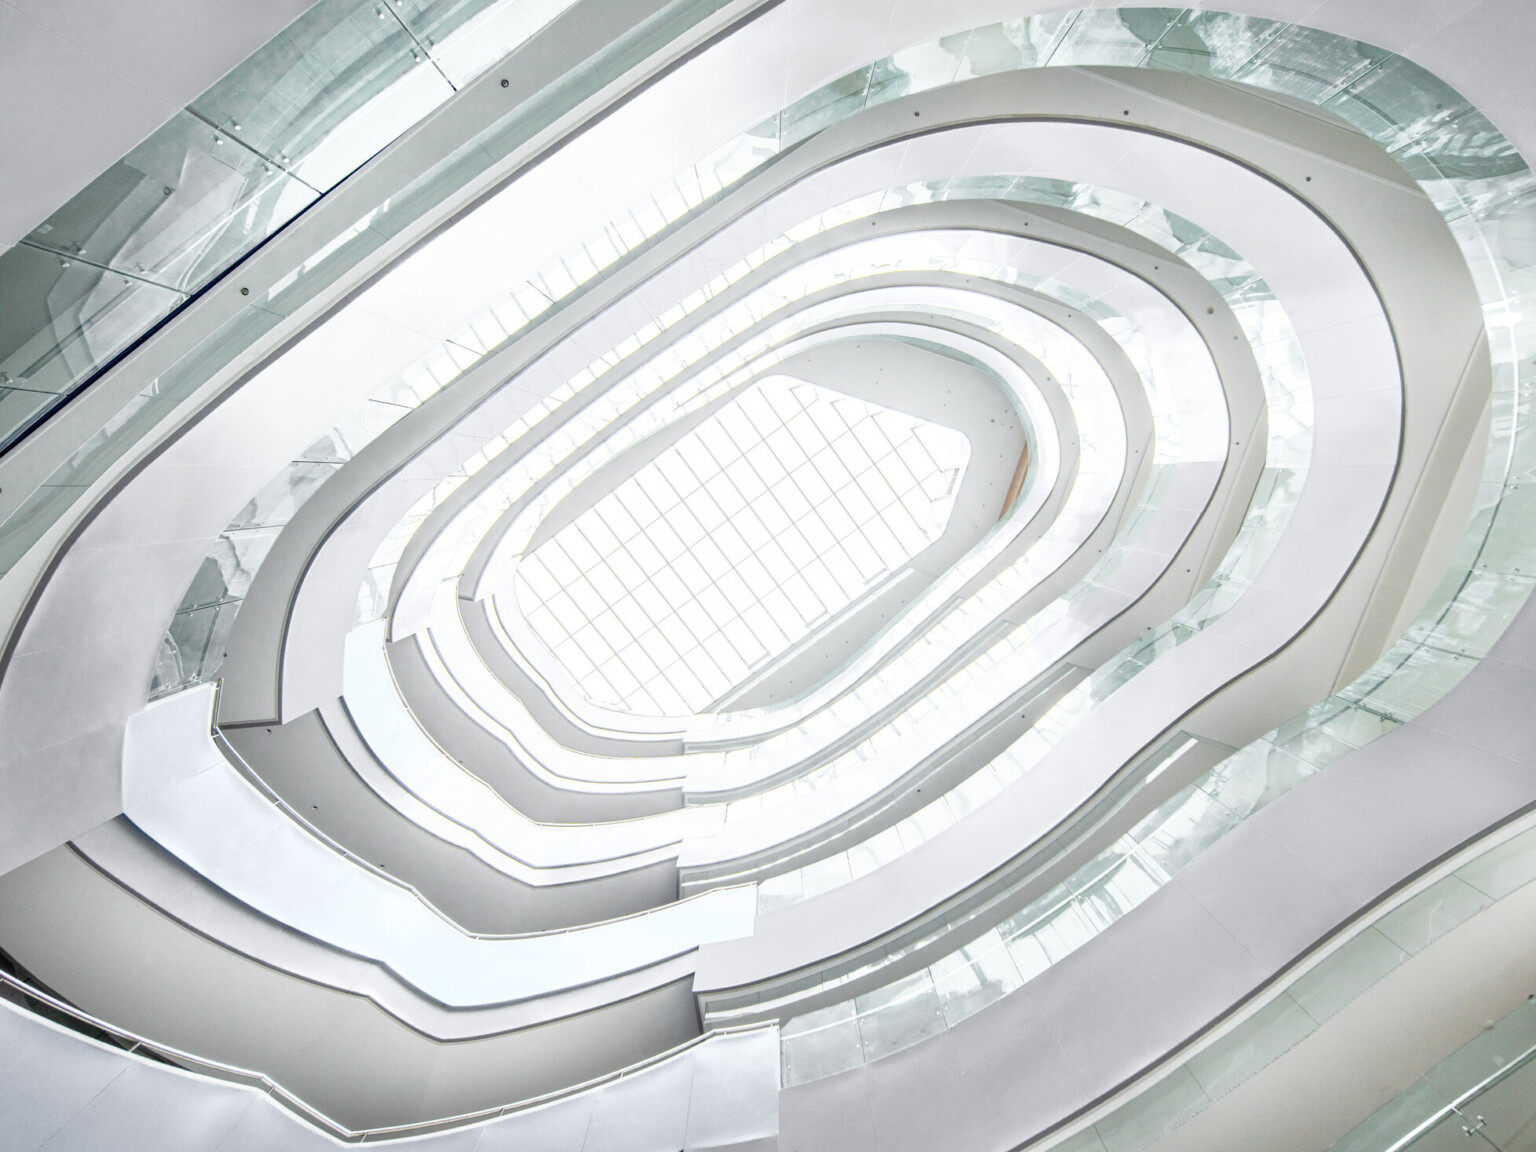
x=180, y=790
x=1263, y=329
x=422, y=768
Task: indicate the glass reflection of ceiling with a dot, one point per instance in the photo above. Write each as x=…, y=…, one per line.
x=762, y=523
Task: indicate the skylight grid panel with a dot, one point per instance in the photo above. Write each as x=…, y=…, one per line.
x=877, y=491
x=646, y=555
x=678, y=681
x=692, y=573
x=749, y=647
x=770, y=516
x=736, y=591
x=661, y=494
x=766, y=463
x=676, y=632
x=864, y=557
x=732, y=664
x=538, y=579
x=676, y=473
x=794, y=500
x=708, y=513
x=836, y=516
x=606, y=584
x=652, y=602
x=948, y=448
x=872, y=439
x=828, y=468
x=754, y=532
x=773, y=559
x=743, y=423
x=802, y=597
x=586, y=598
x=850, y=580
x=731, y=544
x=820, y=538
x=853, y=502
x=916, y=457
x=553, y=557
x=936, y=486
x=716, y=446
x=565, y=613
x=805, y=432
x=790, y=621
x=885, y=543
x=714, y=602
x=638, y=505
x=746, y=479
x=911, y=533
x=724, y=492
x=626, y=568
x=637, y=663
x=667, y=541
x=786, y=449
x=687, y=526
x=632, y=616
x=698, y=620
x=851, y=457
x=711, y=677
x=827, y=419
x=666, y=699
x=696, y=458
x=761, y=623
x=575, y=545
x=545, y=626
x=895, y=472
x=813, y=486
x=620, y=678
x=795, y=545
x=709, y=554
x=673, y=590
x=594, y=645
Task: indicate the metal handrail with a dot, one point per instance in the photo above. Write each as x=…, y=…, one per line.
x=132, y=1044
x=1454, y=1108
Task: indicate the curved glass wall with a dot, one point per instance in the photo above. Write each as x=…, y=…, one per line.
x=335, y=43
x=243, y=159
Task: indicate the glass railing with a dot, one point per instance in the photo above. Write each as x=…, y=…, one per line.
x=1468, y=612
x=37, y=1002
x=1476, y=179
x=194, y=646
x=1489, y=1079
x=1485, y=1091
x=1288, y=403
x=1288, y=452
x=361, y=65
x=222, y=175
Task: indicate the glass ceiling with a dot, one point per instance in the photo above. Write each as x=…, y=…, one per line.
x=759, y=525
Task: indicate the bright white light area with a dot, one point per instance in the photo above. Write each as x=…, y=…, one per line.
x=771, y=516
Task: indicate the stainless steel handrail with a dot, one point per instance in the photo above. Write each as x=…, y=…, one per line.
x=132, y=1044
x=1454, y=1108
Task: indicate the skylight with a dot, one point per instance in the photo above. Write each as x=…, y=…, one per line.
x=755, y=528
